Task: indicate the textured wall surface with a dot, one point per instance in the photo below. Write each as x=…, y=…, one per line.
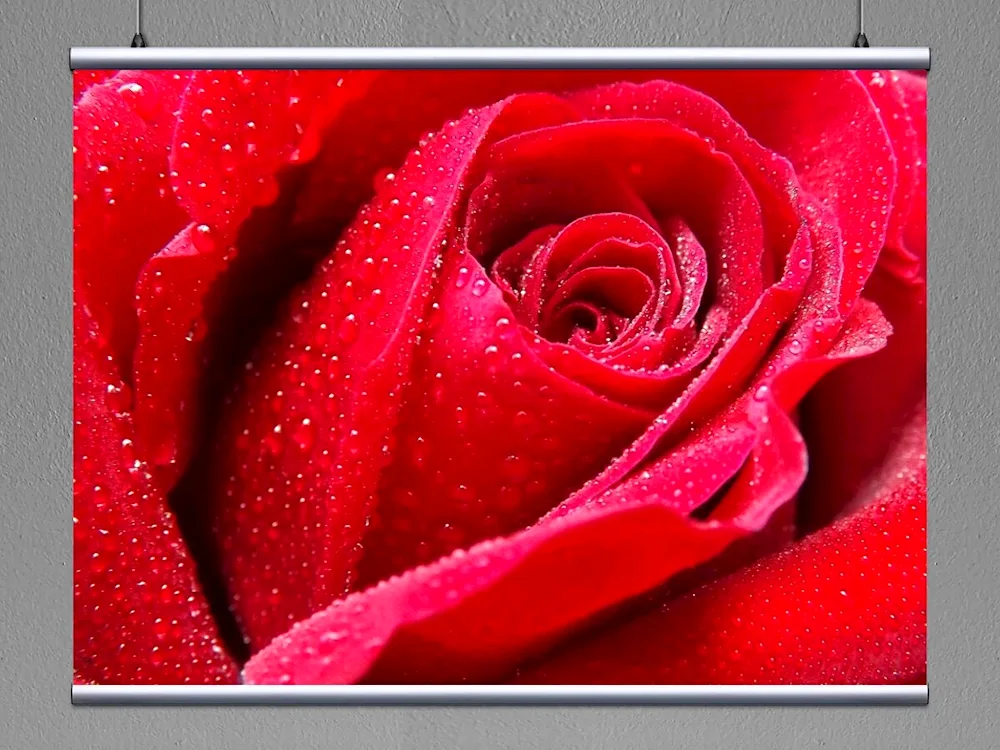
x=35, y=374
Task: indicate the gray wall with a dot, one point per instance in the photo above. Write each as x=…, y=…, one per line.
x=35, y=385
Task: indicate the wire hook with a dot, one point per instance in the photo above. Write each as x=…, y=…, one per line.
x=861, y=40
x=138, y=40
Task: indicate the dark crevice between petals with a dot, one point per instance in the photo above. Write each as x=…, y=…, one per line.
x=274, y=258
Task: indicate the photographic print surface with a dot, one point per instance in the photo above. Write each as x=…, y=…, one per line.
x=499, y=377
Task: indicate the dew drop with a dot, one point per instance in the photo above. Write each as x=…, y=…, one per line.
x=139, y=99
x=347, y=331
x=273, y=442
x=304, y=434
x=208, y=117
x=461, y=278
x=523, y=420
x=479, y=287
x=515, y=468
x=119, y=398
x=197, y=331
x=366, y=269
x=419, y=451
x=202, y=238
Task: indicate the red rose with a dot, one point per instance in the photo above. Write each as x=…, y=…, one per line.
x=478, y=377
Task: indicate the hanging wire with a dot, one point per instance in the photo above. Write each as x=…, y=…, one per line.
x=138, y=40
x=861, y=40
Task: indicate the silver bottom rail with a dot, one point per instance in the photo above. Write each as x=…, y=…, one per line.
x=508, y=695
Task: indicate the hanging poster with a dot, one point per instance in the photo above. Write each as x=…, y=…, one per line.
x=499, y=377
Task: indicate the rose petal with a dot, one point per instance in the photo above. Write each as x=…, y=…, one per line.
x=608, y=241
x=235, y=168
x=847, y=605
x=473, y=615
x=913, y=92
x=309, y=433
x=123, y=208
x=236, y=128
x=407, y=507
x=398, y=111
x=517, y=438
x=864, y=334
x=485, y=376
x=674, y=171
x=671, y=178
x=138, y=614
x=852, y=417
x=885, y=92
x=169, y=354
x=506, y=207
x=84, y=79
x=444, y=637
x=825, y=124
x=476, y=614
x=789, y=247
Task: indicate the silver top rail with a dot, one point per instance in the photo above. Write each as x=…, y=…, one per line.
x=441, y=58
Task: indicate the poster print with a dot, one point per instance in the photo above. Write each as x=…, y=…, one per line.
x=509, y=377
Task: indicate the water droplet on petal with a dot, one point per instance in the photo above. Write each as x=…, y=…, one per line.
x=367, y=269
x=504, y=327
x=208, y=117
x=381, y=177
x=304, y=434
x=140, y=99
x=202, y=238
x=523, y=420
x=197, y=330
x=348, y=330
x=119, y=398
x=515, y=468
x=273, y=441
